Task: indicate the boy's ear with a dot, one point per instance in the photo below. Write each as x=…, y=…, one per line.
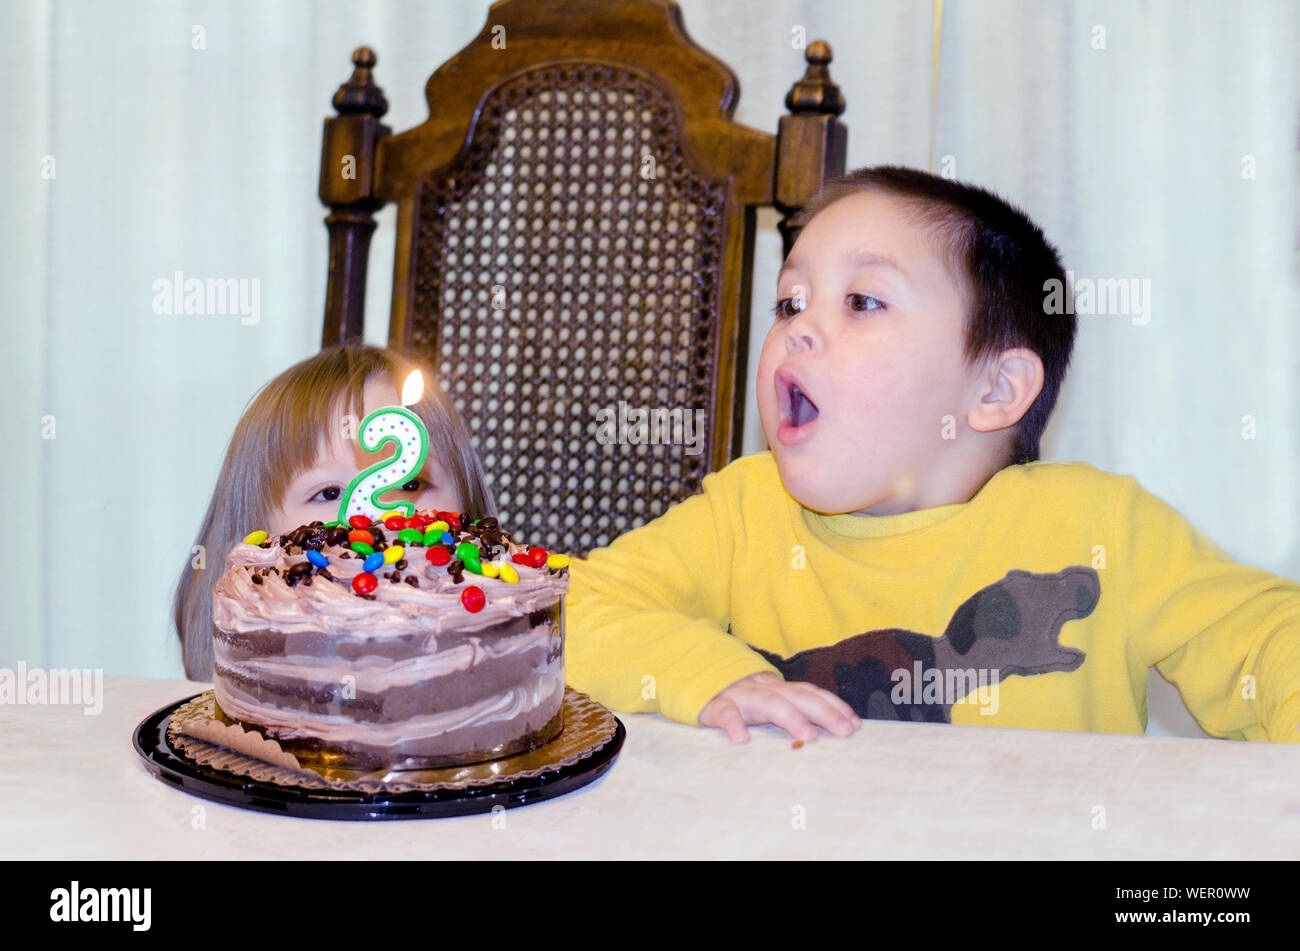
x=1010, y=387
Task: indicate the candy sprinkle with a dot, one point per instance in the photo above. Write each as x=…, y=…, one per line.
x=393, y=553
x=508, y=574
x=361, y=548
x=490, y=570
x=437, y=556
x=557, y=561
x=373, y=561
x=256, y=538
x=472, y=597
x=317, y=559
x=365, y=582
x=361, y=535
x=359, y=521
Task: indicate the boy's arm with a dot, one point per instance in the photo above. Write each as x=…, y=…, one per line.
x=1226, y=634
x=646, y=618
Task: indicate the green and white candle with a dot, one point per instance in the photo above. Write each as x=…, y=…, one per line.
x=388, y=424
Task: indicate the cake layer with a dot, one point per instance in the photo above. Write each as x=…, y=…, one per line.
x=514, y=720
x=237, y=646
x=433, y=684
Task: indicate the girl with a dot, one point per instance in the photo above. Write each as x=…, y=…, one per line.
x=291, y=446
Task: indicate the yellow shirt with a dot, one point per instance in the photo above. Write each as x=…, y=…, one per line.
x=1041, y=602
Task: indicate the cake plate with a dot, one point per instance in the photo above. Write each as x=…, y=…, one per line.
x=173, y=766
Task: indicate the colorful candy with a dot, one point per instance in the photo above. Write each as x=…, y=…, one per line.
x=409, y=536
x=361, y=548
x=360, y=535
x=359, y=521
x=472, y=597
x=557, y=561
x=256, y=538
x=316, y=558
x=365, y=582
x=393, y=553
x=438, y=526
x=538, y=556
x=468, y=550
x=373, y=561
x=489, y=570
x=393, y=520
x=508, y=574
x=438, y=556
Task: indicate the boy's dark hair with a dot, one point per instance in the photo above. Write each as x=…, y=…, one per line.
x=1001, y=257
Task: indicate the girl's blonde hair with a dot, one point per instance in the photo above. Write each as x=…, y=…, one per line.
x=282, y=433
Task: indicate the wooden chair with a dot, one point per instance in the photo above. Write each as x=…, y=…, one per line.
x=574, y=244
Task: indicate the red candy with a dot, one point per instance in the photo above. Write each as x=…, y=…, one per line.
x=472, y=598
x=438, y=555
x=364, y=583
x=451, y=518
x=359, y=521
x=538, y=556
x=417, y=522
x=360, y=535
x=395, y=522
x=521, y=558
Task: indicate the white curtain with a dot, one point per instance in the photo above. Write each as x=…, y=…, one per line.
x=1152, y=141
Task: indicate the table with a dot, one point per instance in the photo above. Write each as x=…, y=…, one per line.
x=72, y=787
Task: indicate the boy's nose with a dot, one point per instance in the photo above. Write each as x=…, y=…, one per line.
x=798, y=338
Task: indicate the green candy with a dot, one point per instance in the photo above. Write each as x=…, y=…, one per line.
x=409, y=536
x=361, y=548
x=468, y=551
x=472, y=565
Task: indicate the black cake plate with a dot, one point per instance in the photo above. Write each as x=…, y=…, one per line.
x=173, y=767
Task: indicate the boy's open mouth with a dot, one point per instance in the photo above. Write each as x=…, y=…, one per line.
x=797, y=409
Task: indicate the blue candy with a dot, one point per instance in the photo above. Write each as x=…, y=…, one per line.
x=373, y=561
x=447, y=539
x=316, y=558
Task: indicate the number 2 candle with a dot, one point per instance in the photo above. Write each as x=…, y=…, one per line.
x=388, y=424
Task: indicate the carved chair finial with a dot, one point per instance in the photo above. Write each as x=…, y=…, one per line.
x=361, y=93
x=815, y=93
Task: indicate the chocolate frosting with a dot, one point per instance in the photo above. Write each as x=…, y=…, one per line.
x=328, y=605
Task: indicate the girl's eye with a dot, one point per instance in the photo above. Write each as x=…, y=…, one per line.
x=863, y=302
x=330, y=494
x=788, y=307
x=412, y=486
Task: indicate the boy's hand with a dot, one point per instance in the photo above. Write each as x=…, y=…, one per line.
x=798, y=708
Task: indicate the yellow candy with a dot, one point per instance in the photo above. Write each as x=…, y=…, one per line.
x=387, y=515
x=392, y=553
x=508, y=574
x=490, y=570
x=557, y=561
x=256, y=538
x=438, y=526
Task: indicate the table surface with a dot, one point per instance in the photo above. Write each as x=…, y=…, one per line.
x=72, y=786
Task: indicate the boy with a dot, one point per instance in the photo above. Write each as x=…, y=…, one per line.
x=899, y=553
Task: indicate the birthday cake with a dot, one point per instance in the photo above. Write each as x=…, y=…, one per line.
x=415, y=643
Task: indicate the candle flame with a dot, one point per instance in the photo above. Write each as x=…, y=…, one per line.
x=413, y=388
